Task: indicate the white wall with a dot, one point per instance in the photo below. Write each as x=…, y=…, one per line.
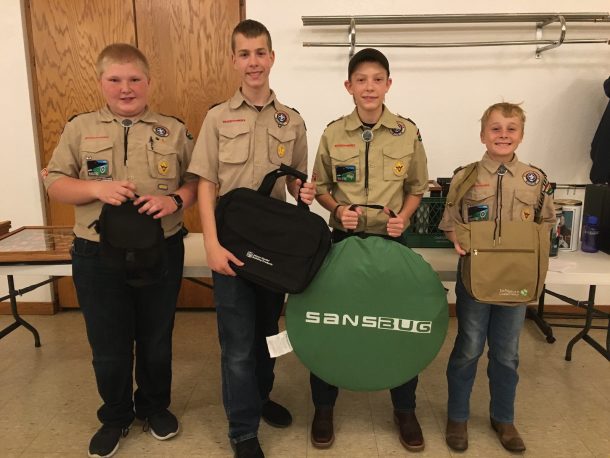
x=445, y=90
x=21, y=197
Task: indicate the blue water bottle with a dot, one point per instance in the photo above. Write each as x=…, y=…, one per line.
x=590, y=232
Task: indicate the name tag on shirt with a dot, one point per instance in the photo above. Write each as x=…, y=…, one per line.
x=478, y=213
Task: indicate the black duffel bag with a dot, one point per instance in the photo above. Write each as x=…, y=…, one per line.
x=281, y=245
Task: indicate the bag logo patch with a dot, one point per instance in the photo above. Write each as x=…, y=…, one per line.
x=377, y=322
x=258, y=258
x=346, y=173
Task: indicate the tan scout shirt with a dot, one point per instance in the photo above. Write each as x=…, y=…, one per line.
x=238, y=145
x=521, y=188
x=397, y=166
x=92, y=147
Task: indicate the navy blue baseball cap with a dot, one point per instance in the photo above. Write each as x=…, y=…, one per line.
x=367, y=55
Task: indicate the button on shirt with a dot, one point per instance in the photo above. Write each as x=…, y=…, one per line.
x=238, y=144
x=92, y=147
x=397, y=166
x=522, y=187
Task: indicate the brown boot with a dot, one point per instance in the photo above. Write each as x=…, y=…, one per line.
x=410, y=434
x=322, y=432
x=456, y=435
x=509, y=436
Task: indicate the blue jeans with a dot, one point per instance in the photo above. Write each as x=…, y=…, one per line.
x=246, y=315
x=117, y=316
x=500, y=326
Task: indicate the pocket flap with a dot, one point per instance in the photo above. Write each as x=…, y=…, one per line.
x=397, y=153
x=343, y=153
x=234, y=129
x=526, y=196
x=282, y=135
x=95, y=146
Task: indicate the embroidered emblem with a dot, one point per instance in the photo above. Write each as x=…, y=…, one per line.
x=478, y=213
x=163, y=167
x=399, y=168
x=399, y=130
x=346, y=173
x=418, y=135
x=281, y=118
x=281, y=150
x=97, y=167
x=189, y=135
x=531, y=178
x=527, y=214
x=161, y=131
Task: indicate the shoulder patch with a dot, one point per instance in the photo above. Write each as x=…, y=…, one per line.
x=334, y=121
x=78, y=114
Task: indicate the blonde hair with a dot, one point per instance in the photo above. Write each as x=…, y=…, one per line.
x=508, y=110
x=121, y=53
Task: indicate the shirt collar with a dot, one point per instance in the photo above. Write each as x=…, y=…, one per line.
x=238, y=99
x=492, y=165
x=387, y=119
x=108, y=116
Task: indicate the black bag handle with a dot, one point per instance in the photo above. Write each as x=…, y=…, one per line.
x=269, y=181
x=352, y=207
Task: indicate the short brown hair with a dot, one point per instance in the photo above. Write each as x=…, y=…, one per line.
x=121, y=53
x=250, y=28
x=508, y=110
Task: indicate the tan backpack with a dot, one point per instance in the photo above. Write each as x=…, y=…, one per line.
x=506, y=262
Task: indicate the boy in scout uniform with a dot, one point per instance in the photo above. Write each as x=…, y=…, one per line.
x=509, y=190
x=241, y=141
x=120, y=152
x=371, y=156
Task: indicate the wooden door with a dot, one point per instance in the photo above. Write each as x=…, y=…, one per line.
x=187, y=43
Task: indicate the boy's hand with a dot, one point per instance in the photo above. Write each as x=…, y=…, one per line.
x=306, y=192
x=158, y=206
x=396, y=225
x=349, y=218
x=114, y=192
x=218, y=259
x=459, y=249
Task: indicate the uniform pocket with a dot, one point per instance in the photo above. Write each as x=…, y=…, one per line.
x=281, y=145
x=524, y=204
x=396, y=163
x=234, y=143
x=96, y=159
x=478, y=205
x=162, y=162
x=345, y=163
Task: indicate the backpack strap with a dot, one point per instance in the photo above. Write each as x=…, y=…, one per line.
x=460, y=187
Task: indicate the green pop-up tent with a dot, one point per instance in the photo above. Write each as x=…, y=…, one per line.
x=374, y=316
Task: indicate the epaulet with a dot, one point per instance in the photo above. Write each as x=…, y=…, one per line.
x=537, y=168
x=334, y=121
x=410, y=120
x=293, y=109
x=172, y=116
x=461, y=167
x=78, y=114
x=215, y=105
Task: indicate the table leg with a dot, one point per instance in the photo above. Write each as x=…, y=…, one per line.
x=13, y=293
x=537, y=316
x=584, y=334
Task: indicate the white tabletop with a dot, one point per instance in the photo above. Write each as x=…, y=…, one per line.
x=569, y=268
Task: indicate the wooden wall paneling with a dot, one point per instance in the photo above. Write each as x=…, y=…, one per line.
x=66, y=36
x=188, y=45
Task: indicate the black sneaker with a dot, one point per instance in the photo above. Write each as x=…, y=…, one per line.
x=162, y=425
x=249, y=448
x=276, y=415
x=105, y=442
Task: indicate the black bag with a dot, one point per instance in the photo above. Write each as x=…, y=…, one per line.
x=133, y=242
x=282, y=245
